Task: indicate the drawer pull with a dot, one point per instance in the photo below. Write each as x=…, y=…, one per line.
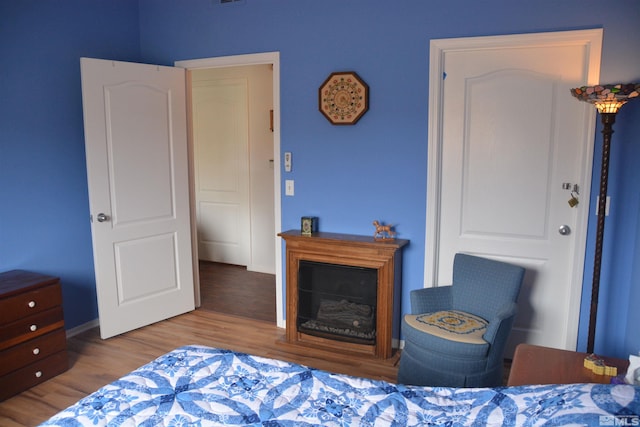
x=36, y=351
x=31, y=304
x=33, y=328
x=38, y=374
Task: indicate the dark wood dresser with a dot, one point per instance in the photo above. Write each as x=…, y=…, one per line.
x=33, y=344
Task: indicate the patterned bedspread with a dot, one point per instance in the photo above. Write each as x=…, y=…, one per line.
x=202, y=386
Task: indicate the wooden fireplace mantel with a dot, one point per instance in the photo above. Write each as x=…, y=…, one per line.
x=350, y=250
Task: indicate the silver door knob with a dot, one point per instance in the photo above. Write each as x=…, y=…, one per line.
x=102, y=217
x=564, y=230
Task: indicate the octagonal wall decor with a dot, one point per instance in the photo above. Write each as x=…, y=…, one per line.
x=343, y=98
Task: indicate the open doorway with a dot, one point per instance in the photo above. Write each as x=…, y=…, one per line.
x=240, y=222
x=232, y=140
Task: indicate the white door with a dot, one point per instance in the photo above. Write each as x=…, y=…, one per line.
x=234, y=165
x=513, y=145
x=221, y=159
x=137, y=167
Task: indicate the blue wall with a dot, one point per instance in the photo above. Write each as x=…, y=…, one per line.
x=348, y=176
x=44, y=208
x=345, y=175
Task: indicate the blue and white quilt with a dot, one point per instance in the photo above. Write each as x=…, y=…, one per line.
x=202, y=386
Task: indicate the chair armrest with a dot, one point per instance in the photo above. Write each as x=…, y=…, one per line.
x=501, y=323
x=429, y=300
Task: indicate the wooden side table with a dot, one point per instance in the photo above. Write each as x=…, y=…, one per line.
x=534, y=364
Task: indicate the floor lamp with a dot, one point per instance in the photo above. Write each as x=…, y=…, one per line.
x=607, y=99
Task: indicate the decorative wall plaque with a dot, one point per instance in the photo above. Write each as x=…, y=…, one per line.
x=343, y=98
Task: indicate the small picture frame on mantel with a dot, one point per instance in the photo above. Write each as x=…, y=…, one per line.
x=308, y=225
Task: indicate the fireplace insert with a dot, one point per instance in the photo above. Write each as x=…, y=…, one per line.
x=337, y=301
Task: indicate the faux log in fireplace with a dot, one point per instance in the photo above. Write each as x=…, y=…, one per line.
x=343, y=291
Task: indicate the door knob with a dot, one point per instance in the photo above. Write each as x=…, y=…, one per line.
x=564, y=230
x=102, y=217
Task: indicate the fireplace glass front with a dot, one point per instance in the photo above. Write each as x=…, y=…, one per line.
x=337, y=301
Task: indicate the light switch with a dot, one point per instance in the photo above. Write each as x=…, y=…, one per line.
x=288, y=187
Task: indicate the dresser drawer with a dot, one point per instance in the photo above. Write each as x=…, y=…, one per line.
x=29, y=303
x=31, y=327
x=27, y=377
x=32, y=351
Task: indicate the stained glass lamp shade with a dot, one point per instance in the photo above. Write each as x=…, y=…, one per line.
x=607, y=98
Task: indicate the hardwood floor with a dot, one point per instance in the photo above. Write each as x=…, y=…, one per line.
x=237, y=313
x=231, y=289
x=95, y=362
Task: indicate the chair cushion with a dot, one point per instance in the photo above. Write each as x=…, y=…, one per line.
x=451, y=325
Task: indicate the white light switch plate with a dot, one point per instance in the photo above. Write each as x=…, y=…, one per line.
x=288, y=187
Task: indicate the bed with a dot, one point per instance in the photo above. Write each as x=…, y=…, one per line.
x=203, y=386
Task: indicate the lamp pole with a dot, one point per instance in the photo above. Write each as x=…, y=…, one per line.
x=608, y=119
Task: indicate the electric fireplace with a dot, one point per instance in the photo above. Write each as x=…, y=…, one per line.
x=343, y=292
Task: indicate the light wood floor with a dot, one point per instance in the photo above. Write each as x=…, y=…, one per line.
x=95, y=362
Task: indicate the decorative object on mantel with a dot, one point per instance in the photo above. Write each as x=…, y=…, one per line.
x=608, y=99
x=383, y=232
x=343, y=98
x=308, y=225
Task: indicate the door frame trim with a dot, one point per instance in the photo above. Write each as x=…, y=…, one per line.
x=272, y=58
x=592, y=41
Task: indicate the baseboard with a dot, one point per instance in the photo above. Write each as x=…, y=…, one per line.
x=266, y=269
x=81, y=328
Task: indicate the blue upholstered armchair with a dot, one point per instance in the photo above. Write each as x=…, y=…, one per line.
x=456, y=335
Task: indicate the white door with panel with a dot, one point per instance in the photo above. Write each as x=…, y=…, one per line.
x=221, y=159
x=137, y=167
x=513, y=146
x=233, y=162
